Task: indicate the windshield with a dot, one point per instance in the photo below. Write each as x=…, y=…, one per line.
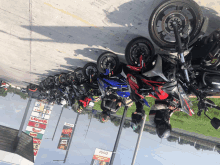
x=186, y=104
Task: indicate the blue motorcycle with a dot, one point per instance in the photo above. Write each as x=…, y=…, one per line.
x=109, y=76
x=107, y=82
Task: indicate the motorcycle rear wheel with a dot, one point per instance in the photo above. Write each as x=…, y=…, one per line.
x=91, y=67
x=78, y=75
x=137, y=47
x=62, y=78
x=175, y=10
x=70, y=77
x=105, y=59
x=49, y=81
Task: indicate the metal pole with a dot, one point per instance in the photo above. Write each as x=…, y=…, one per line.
x=57, y=123
x=68, y=146
x=22, y=125
x=118, y=136
x=139, y=139
x=88, y=126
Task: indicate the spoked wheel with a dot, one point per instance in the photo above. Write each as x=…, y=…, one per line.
x=188, y=16
x=107, y=60
x=137, y=47
x=90, y=69
x=78, y=75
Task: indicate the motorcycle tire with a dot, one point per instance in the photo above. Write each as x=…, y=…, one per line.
x=49, y=81
x=70, y=77
x=62, y=78
x=137, y=47
x=78, y=74
x=56, y=80
x=94, y=68
x=103, y=57
x=196, y=22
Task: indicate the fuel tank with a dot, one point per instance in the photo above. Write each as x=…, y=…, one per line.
x=212, y=80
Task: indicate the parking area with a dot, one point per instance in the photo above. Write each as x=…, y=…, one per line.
x=41, y=38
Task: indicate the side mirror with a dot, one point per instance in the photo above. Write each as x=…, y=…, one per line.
x=215, y=123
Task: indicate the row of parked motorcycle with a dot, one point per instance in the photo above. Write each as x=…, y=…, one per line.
x=162, y=76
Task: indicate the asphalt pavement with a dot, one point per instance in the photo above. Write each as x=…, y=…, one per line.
x=46, y=37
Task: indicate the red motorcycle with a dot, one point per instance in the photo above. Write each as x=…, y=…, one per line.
x=169, y=77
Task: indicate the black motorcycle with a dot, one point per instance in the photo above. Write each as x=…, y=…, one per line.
x=86, y=81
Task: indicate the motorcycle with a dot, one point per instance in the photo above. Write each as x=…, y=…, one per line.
x=170, y=77
x=36, y=92
x=111, y=82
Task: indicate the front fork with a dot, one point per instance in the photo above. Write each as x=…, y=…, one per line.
x=180, y=52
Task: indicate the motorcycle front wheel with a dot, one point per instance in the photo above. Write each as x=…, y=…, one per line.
x=188, y=16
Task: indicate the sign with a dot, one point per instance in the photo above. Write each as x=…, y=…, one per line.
x=34, y=135
x=47, y=107
x=70, y=125
x=63, y=141
x=48, y=112
x=36, y=141
x=36, y=109
x=35, y=119
x=35, y=152
x=45, y=111
x=36, y=146
x=35, y=130
x=41, y=107
x=40, y=115
x=37, y=125
x=65, y=136
x=37, y=104
x=101, y=157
